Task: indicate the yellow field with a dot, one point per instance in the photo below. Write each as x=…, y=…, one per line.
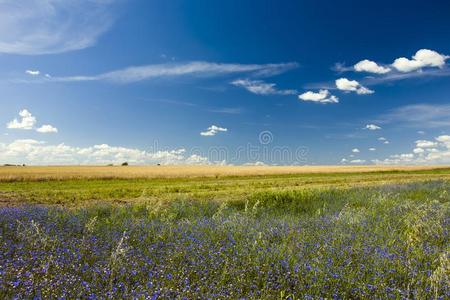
x=129, y=172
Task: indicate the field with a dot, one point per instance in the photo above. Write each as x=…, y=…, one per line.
x=167, y=232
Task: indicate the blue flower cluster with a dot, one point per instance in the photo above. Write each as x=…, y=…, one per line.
x=95, y=254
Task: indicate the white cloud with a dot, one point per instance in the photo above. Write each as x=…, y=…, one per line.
x=372, y=127
x=47, y=129
x=353, y=161
x=425, y=152
x=425, y=144
x=26, y=122
x=421, y=132
x=33, y=72
x=357, y=161
x=355, y=150
x=170, y=70
x=344, y=84
x=422, y=58
x=52, y=26
x=256, y=163
x=372, y=149
x=323, y=96
x=443, y=139
x=213, y=130
x=260, y=87
x=384, y=140
x=418, y=150
x=36, y=152
x=371, y=67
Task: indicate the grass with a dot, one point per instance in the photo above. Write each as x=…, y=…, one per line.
x=382, y=234
x=83, y=190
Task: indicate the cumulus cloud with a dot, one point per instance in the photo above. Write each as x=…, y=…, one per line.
x=52, y=26
x=346, y=85
x=47, y=129
x=355, y=150
x=372, y=127
x=170, y=70
x=260, y=87
x=422, y=58
x=26, y=122
x=418, y=150
x=372, y=149
x=33, y=72
x=424, y=152
x=213, y=130
x=323, y=96
x=443, y=139
x=31, y=151
x=370, y=67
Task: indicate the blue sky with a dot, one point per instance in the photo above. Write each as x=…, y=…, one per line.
x=236, y=82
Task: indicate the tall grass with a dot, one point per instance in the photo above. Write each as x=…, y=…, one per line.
x=372, y=242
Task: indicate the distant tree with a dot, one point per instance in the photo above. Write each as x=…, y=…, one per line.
x=125, y=164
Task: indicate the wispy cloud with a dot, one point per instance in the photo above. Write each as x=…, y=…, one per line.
x=52, y=26
x=195, y=68
x=419, y=115
x=220, y=110
x=226, y=110
x=396, y=76
x=33, y=72
x=260, y=87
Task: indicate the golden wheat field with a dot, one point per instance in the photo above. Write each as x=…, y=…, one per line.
x=13, y=173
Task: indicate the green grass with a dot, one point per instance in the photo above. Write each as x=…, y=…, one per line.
x=73, y=192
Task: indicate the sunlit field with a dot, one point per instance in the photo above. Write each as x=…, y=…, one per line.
x=224, y=232
x=16, y=173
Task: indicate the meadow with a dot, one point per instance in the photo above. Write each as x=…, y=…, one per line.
x=219, y=233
